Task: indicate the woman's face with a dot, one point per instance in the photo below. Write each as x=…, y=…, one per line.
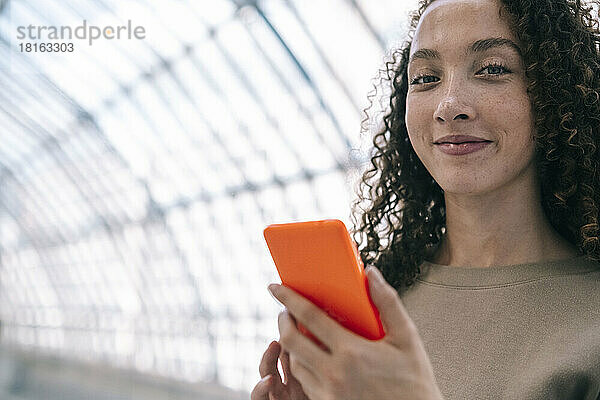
x=465, y=78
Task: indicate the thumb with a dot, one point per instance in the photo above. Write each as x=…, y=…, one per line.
x=397, y=325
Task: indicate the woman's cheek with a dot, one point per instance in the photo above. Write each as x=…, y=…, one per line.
x=418, y=121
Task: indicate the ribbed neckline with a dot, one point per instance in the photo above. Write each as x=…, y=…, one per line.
x=503, y=275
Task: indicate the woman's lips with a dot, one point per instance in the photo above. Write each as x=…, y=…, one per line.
x=459, y=149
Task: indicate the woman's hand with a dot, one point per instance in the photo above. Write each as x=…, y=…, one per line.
x=395, y=367
x=271, y=387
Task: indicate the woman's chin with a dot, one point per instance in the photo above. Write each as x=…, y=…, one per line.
x=466, y=186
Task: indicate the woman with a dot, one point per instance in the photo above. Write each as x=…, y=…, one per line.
x=481, y=212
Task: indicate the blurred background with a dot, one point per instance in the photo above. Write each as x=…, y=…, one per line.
x=137, y=175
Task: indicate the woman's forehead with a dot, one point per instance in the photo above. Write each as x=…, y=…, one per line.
x=458, y=23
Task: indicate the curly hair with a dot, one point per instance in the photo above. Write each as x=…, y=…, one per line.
x=399, y=214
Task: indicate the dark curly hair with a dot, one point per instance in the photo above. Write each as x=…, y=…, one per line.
x=399, y=215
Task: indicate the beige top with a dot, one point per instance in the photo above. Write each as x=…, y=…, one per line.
x=528, y=331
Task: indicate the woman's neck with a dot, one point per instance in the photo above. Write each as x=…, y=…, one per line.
x=499, y=229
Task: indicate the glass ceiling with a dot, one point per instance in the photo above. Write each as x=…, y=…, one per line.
x=136, y=176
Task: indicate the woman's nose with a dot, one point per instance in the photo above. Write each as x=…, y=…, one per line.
x=452, y=108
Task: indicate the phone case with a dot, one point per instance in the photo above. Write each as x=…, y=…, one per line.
x=319, y=260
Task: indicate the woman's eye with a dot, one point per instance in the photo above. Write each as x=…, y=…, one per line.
x=424, y=79
x=495, y=69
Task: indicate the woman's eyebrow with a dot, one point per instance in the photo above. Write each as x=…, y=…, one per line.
x=477, y=46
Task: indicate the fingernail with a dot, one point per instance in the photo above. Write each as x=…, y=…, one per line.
x=374, y=274
x=274, y=289
x=266, y=378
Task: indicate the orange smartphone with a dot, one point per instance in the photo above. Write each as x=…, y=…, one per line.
x=319, y=260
